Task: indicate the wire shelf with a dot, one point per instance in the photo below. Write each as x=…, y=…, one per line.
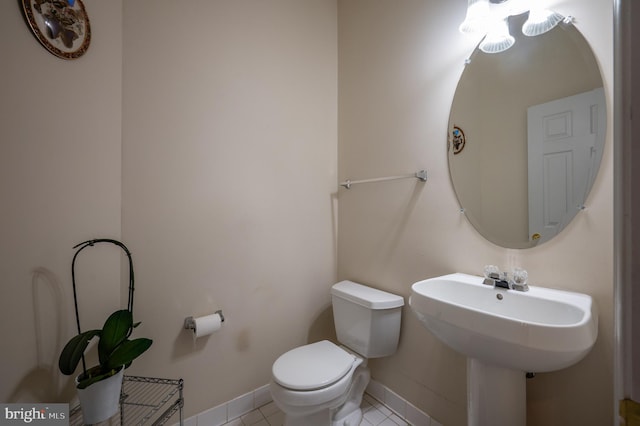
x=143, y=400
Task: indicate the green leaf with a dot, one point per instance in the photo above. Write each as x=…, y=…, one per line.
x=114, y=332
x=95, y=376
x=73, y=350
x=127, y=352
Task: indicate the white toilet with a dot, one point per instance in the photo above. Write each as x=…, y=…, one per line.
x=322, y=384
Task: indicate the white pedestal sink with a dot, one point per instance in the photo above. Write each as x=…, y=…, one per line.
x=504, y=333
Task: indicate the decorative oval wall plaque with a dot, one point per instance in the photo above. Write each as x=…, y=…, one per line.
x=459, y=139
x=61, y=26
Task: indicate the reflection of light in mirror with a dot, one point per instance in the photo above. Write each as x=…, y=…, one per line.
x=540, y=21
x=498, y=38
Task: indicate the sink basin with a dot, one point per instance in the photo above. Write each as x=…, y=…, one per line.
x=504, y=333
x=535, y=331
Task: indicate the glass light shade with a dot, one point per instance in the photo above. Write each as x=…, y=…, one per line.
x=478, y=13
x=498, y=39
x=540, y=21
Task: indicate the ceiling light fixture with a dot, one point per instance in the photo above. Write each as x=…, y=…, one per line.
x=540, y=21
x=478, y=15
x=498, y=38
x=489, y=18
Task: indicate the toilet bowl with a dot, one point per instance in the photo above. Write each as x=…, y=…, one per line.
x=311, y=382
x=322, y=384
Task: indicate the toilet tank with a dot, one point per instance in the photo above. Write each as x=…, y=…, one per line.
x=367, y=320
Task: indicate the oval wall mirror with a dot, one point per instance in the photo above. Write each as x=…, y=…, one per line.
x=526, y=135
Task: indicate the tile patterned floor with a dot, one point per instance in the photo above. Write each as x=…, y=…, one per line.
x=374, y=414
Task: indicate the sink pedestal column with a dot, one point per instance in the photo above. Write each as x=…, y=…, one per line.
x=496, y=396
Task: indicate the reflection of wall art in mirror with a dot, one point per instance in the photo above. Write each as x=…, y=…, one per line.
x=61, y=26
x=518, y=103
x=458, y=139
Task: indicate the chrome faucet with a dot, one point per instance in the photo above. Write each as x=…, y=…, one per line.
x=497, y=279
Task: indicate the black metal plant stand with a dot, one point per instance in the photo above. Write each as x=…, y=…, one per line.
x=91, y=243
x=142, y=399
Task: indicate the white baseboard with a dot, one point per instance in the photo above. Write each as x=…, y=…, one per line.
x=243, y=404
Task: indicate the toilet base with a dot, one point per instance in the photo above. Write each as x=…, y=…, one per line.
x=348, y=413
x=323, y=418
x=352, y=419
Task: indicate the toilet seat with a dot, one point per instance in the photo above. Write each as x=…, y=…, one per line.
x=312, y=366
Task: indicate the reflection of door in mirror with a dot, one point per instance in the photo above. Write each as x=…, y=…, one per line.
x=562, y=151
x=495, y=91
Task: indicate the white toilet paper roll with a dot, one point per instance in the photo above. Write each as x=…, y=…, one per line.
x=204, y=326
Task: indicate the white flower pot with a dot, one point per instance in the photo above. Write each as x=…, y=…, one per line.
x=101, y=400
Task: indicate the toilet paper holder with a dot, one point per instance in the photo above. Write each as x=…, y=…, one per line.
x=190, y=323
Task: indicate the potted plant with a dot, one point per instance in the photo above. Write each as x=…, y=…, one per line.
x=99, y=386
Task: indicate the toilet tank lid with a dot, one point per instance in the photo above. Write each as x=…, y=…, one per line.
x=366, y=296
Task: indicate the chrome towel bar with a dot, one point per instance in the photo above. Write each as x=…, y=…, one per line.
x=420, y=174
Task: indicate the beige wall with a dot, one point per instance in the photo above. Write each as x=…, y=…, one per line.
x=218, y=167
x=60, y=125
x=398, y=69
x=229, y=171
x=228, y=130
